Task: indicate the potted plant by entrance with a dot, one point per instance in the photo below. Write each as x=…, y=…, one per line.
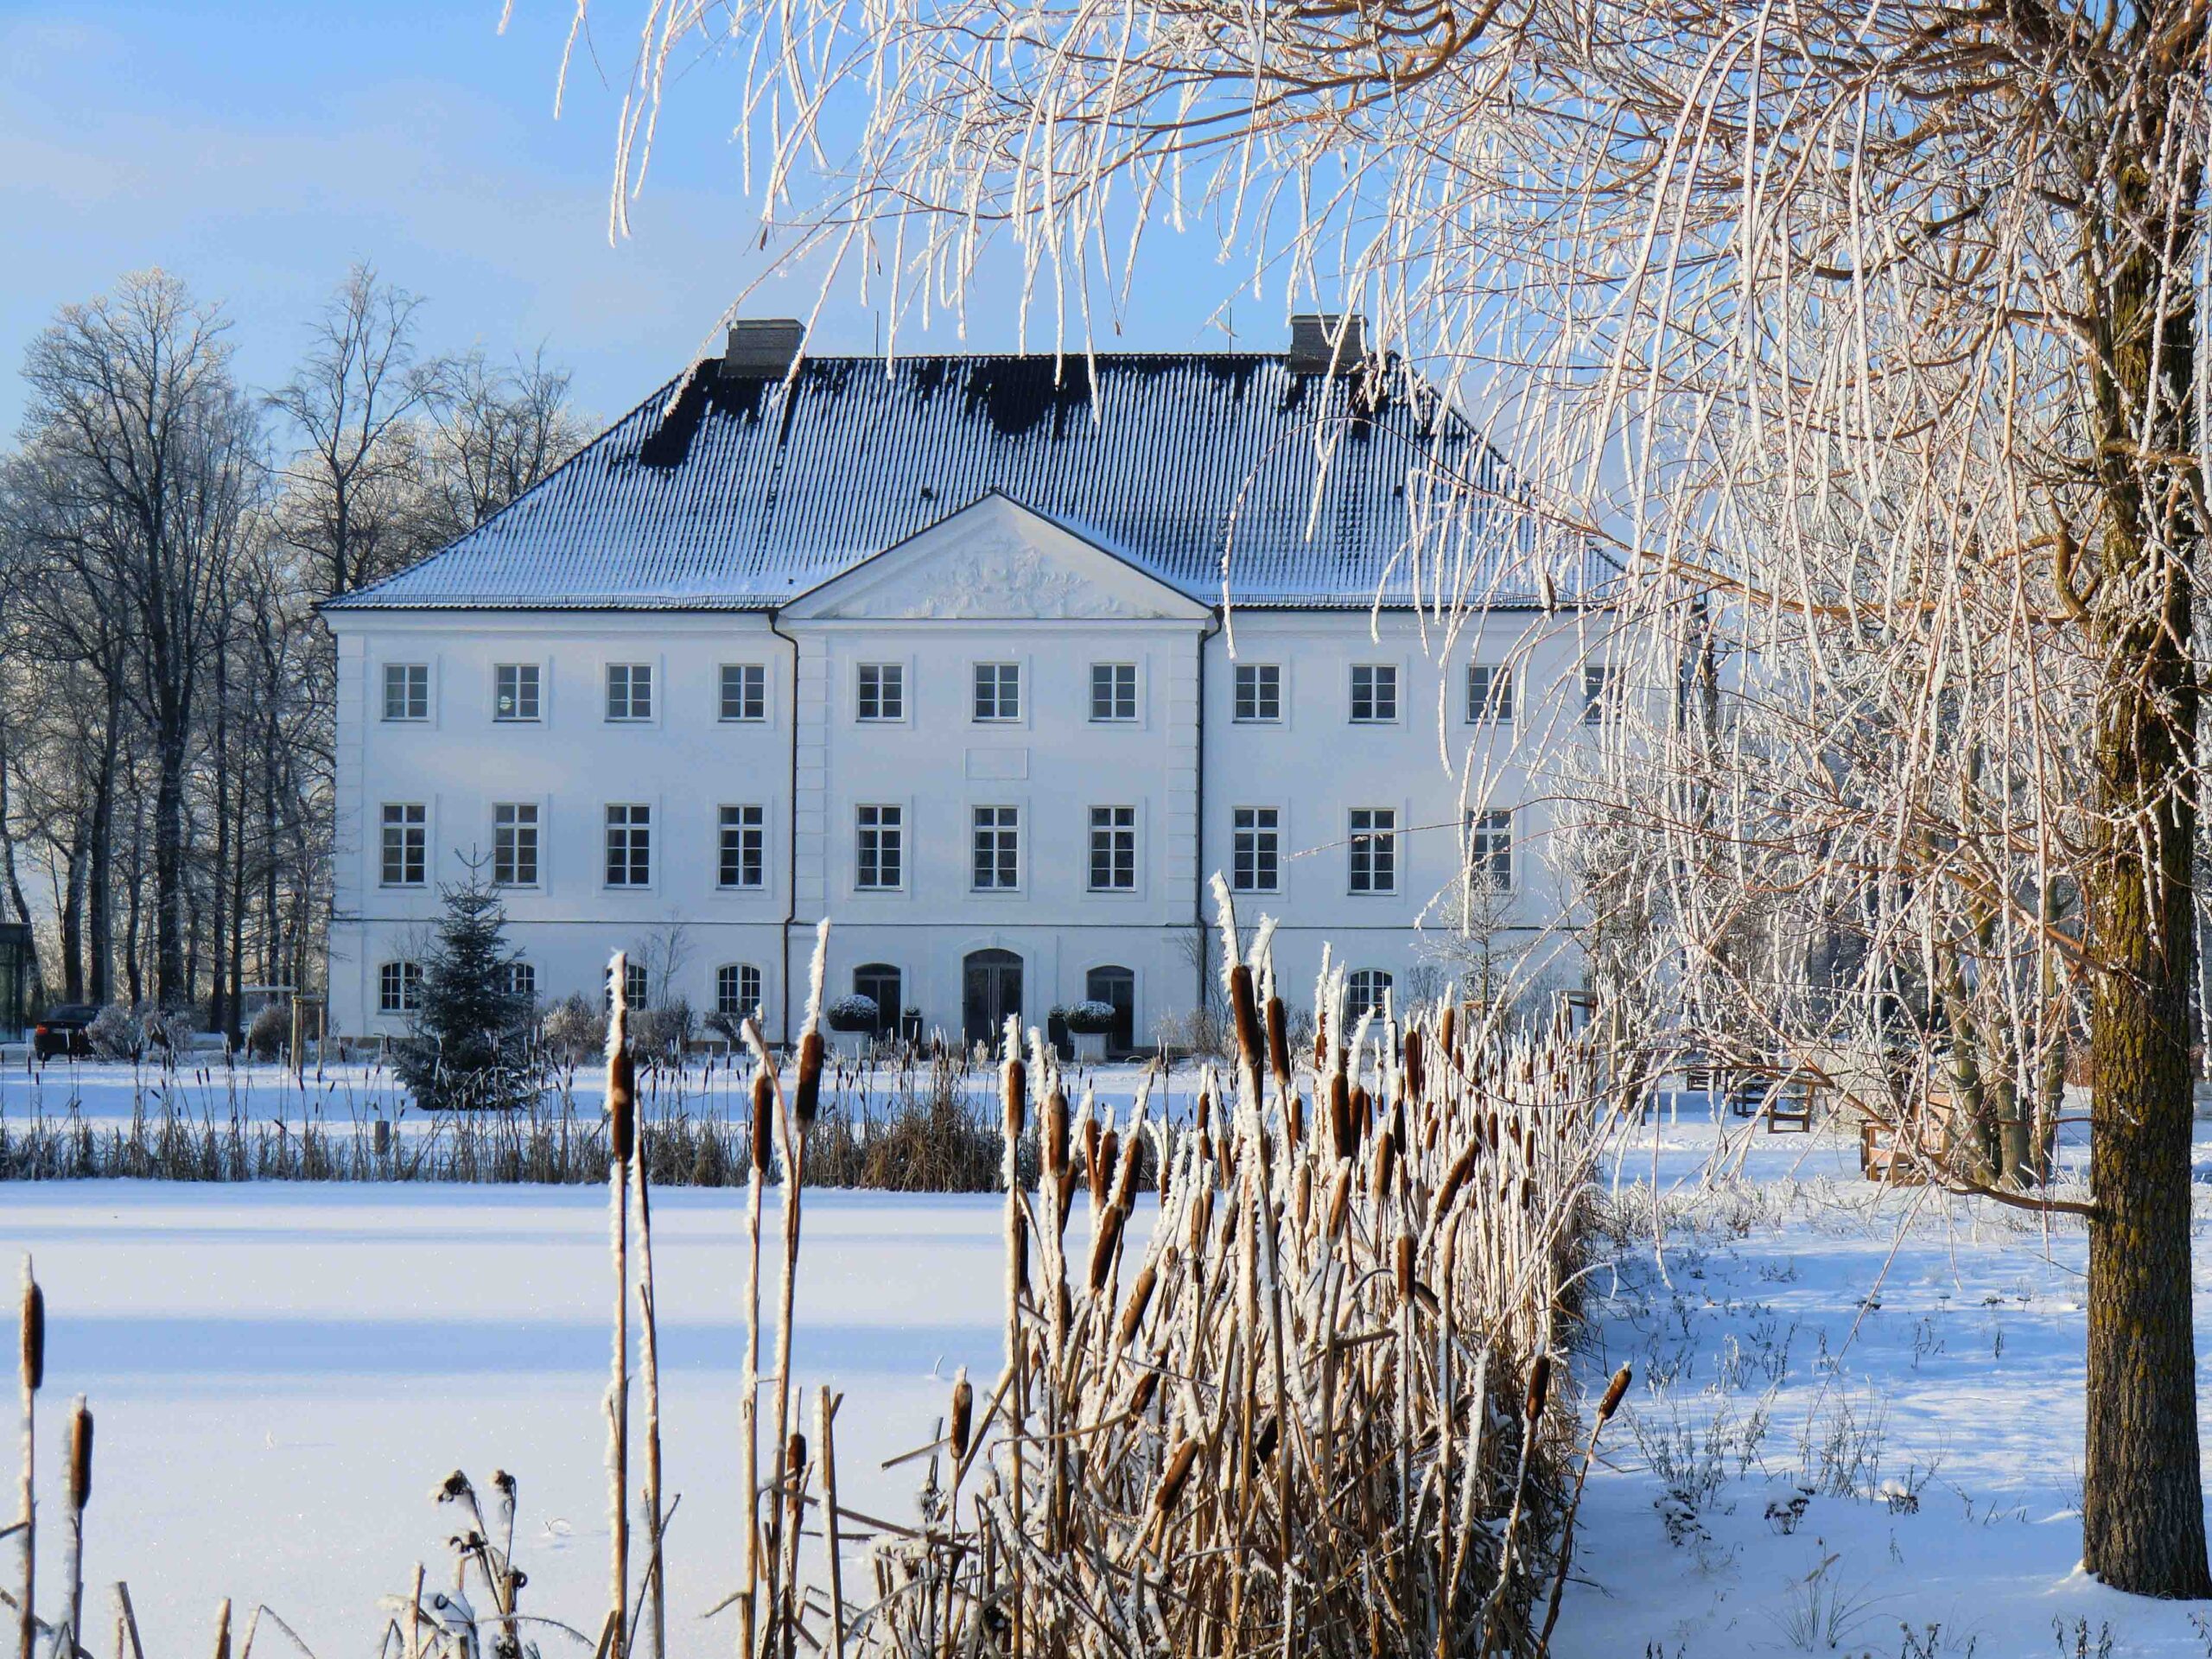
x=1088, y=1023
x=855, y=1018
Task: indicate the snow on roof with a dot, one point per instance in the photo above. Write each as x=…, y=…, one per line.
x=725, y=492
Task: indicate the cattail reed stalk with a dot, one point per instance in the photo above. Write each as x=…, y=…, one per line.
x=621, y=1130
x=825, y=1410
x=1013, y=1100
x=1607, y=1407
x=32, y=1371
x=649, y=1376
x=223, y=1630
x=792, y=1121
x=80, y=1494
x=127, y=1645
x=764, y=1106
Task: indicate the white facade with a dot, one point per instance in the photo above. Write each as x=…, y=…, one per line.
x=1122, y=773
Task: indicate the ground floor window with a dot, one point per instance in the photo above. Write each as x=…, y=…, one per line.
x=1365, y=993
x=399, y=987
x=737, y=990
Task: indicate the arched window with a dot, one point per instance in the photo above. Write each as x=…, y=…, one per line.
x=884, y=986
x=1117, y=987
x=1364, y=995
x=636, y=981
x=399, y=987
x=520, y=979
x=737, y=990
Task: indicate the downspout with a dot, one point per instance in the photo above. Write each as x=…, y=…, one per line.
x=791, y=840
x=1199, y=817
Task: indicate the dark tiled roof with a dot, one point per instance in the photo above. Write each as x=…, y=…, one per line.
x=721, y=492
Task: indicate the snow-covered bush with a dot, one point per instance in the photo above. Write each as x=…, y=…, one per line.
x=1090, y=1019
x=271, y=1031
x=116, y=1034
x=659, y=1033
x=853, y=1013
x=167, y=1032
x=574, y=1031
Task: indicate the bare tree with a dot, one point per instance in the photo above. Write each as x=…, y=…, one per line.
x=495, y=432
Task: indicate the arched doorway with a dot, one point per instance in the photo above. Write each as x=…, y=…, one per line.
x=1117, y=988
x=882, y=984
x=990, y=990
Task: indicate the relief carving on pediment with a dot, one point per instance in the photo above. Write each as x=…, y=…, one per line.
x=996, y=575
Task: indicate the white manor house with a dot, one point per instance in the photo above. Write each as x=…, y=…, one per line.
x=994, y=660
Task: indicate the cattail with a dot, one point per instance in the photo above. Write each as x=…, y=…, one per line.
x=806, y=1093
x=1340, y=1114
x=1245, y=1013
x=962, y=1412
x=1447, y=1033
x=764, y=1111
x=1454, y=1179
x=1201, y=1219
x=1141, y=1396
x=1279, y=1044
x=1414, y=1078
x=1015, y=1079
x=1102, y=1248
x=1172, y=1478
x=1339, y=1199
x=1403, y=1263
x=1614, y=1390
x=81, y=1456
x=34, y=1371
x=1363, y=1117
x=1132, y=1311
x=1104, y=1154
x=1383, y=1165
x=1539, y=1381
x=1056, y=1135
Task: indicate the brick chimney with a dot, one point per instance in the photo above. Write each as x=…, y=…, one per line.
x=1324, y=342
x=762, y=348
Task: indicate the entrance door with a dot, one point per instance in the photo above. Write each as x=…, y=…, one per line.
x=991, y=990
x=1117, y=988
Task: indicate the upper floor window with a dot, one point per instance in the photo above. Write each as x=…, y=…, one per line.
x=1259, y=692
x=1255, y=849
x=997, y=849
x=399, y=986
x=745, y=691
x=737, y=990
x=998, y=691
x=629, y=845
x=1373, y=849
x=743, y=852
x=1365, y=990
x=406, y=690
x=1373, y=692
x=881, y=692
x=1489, y=850
x=1113, y=690
x=629, y=691
x=514, y=844
x=514, y=691
x=879, y=848
x=1113, y=849
x=406, y=844
x=1601, y=693
x=1490, y=693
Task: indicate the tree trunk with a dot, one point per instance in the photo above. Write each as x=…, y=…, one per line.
x=99, y=965
x=171, y=985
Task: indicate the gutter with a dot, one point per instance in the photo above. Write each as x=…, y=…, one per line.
x=1199, y=814
x=790, y=836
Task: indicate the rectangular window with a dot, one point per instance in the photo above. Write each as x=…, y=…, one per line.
x=637, y=985
x=998, y=691
x=406, y=690
x=629, y=845
x=737, y=990
x=1374, y=693
x=745, y=691
x=1113, y=690
x=406, y=844
x=878, y=848
x=399, y=986
x=1489, y=694
x=1255, y=849
x=514, y=844
x=629, y=691
x=1113, y=849
x=1600, y=694
x=520, y=980
x=744, y=847
x=997, y=848
x=1373, y=849
x=882, y=692
x=1259, y=692
x=1489, y=851
x=514, y=691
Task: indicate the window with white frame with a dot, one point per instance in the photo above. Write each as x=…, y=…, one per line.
x=629, y=691
x=1258, y=692
x=743, y=851
x=879, y=848
x=1255, y=849
x=737, y=990
x=745, y=691
x=1374, y=693
x=399, y=986
x=1113, y=692
x=880, y=692
x=1373, y=849
x=515, y=688
x=998, y=691
x=637, y=985
x=1601, y=693
x=996, y=846
x=406, y=844
x=519, y=979
x=1489, y=850
x=1113, y=849
x=1364, y=990
x=629, y=845
x=406, y=690
x=514, y=844
x=1489, y=694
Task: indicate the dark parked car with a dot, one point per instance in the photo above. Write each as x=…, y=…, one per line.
x=62, y=1032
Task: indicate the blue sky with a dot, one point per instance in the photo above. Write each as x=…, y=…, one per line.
x=257, y=149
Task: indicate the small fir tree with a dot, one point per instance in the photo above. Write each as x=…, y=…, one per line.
x=470, y=1039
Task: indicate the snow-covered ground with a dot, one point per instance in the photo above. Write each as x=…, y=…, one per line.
x=282, y=1373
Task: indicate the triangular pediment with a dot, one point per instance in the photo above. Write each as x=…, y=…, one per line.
x=995, y=560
